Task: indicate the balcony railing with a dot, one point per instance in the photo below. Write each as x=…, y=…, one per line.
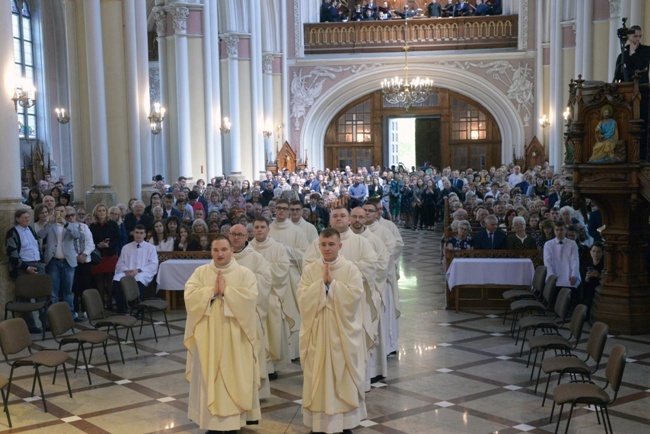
x=426, y=34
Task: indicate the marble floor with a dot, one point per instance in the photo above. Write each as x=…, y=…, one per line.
x=455, y=373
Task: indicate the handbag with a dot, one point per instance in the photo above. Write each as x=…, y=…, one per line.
x=95, y=257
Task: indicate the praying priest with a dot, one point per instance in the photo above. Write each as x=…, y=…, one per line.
x=332, y=350
x=220, y=337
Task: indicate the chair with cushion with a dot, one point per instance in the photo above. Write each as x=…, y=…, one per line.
x=574, y=366
x=4, y=382
x=62, y=322
x=534, y=292
x=581, y=392
x=14, y=339
x=132, y=296
x=98, y=317
x=520, y=307
x=28, y=287
x=548, y=324
x=558, y=342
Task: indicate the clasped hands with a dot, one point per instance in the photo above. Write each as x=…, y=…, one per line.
x=219, y=285
x=327, y=275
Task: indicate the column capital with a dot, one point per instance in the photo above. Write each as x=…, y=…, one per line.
x=267, y=63
x=614, y=8
x=160, y=16
x=232, y=45
x=179, y=17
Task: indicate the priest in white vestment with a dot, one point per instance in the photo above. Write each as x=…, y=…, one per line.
x=330, y=296
x=294, y=240
x=279, y=321
x=377, y=366
x=247, y=257
x=295, y=210
x=220, y=337
x=388, y=232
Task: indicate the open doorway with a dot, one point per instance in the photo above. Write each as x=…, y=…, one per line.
x=413, y=141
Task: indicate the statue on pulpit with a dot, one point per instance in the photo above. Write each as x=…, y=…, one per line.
x=608, y=149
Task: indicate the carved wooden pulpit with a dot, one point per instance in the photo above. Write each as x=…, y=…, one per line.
x=602, y=140
x=287, y=159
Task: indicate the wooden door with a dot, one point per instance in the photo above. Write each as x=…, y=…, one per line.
x=427, y=141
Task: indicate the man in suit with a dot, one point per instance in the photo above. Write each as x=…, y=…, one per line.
x=137, y=217
x=455, y=180
x=324, y=11
x=168, y=207
x=481, y=8
x=491, y=238
x=434, y=9
x=60, y=255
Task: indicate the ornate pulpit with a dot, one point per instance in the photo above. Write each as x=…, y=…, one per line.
x=287, y=159
x=602, y=140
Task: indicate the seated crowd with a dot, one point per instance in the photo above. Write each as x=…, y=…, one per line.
x=333, y=11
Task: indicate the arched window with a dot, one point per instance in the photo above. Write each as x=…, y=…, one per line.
x=24, y=62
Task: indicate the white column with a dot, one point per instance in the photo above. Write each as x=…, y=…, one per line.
x=232, y=42
x=637, y=12
x=580, y=39
x=11, y=159
x=216, y=92
x=161, y=141
x=76, y=148
x=588, y=41
x=269, y=119
x=179, y=20
x=539, y=69
x=207, y=86
x=286, y=90
x=614, y=45
x=556, y=157
x=257, y=100
x=144, y=98
x=96, y=93
x=131, y=79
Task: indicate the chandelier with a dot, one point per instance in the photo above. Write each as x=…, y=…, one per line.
x=400, y=91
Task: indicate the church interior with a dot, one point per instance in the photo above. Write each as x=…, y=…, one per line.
x=109, y=94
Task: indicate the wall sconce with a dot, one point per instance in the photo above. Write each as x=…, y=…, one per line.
x=267, y=133
x=225, y=126
x=156, y=118
x=24, y=94
x=544, y=122
x=61, y=116
x=567, y=114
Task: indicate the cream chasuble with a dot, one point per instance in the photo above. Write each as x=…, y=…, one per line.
x=278, y=321
x=295, y=243
x=331, y=347
x=221, y=338
x=255, y=262
x=357, y=250
x=310, y=230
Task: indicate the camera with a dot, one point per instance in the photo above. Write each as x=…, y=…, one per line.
x=623, y=32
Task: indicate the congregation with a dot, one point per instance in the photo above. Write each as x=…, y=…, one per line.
x=496, y=208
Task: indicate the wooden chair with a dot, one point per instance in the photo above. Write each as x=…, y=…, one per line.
x=14, y=339
x=62, y=322
x=579, y=392
x=97, y=317
x=132, y=296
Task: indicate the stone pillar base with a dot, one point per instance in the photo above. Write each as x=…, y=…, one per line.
x=7, y=209
x=146, y=192
x=100, y=194
x=236, y=178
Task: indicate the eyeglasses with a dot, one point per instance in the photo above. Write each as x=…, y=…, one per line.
x=237, y=235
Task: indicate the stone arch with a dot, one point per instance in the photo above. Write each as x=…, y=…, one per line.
x=312, y=135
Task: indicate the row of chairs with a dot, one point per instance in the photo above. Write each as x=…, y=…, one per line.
x=15, y=337
x=536, y=303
